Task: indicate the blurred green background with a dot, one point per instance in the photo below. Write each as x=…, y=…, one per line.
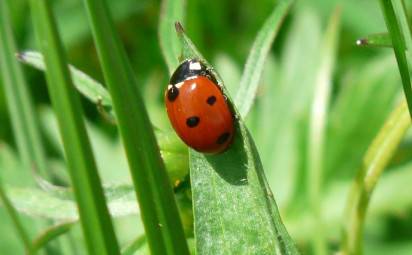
x=366, y=87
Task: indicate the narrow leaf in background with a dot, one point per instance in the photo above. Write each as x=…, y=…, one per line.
x=159, y=212
x=317, y=130
x=252, y=72
x=172, y=11
x=95, y=220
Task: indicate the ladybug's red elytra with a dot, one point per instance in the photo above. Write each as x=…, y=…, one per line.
x=197, y=108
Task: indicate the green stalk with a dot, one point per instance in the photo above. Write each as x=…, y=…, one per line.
x=158, y=208
x=95, y=220
x=398, y=42
x=376, y=159
x=21, y=108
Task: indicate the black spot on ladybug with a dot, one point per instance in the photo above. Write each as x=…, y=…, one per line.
x=211, y=100
x=192, y=121
x=172, y=93
x=223, y=138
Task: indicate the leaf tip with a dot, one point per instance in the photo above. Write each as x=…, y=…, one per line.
x=179, y=28
x=20, y=56
x=362, y=42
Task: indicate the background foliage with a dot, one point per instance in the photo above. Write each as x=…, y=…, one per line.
x=365, y=87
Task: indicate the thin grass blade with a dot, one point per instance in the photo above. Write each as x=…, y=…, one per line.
x=172, y=11
x=95, y=220
x=252, y=72
x=50, y=234
x=158, y=207
x=317, y=129
x=398, y=42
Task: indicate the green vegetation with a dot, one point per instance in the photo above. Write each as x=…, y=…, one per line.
x=321, y=96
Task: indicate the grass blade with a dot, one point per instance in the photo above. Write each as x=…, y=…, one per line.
x=50, y=234
x=317, y=129
x=227, y=188
x=398, y=42
x=376, y=159
x=172, y=11
x=159, y=212
x=254, y=65
x=86, y=85
x=95, y=220
x=375, y=40
x=20, y=105
x=400, y=11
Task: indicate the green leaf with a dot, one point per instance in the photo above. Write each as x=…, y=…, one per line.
x=159, y=212
x=97, y=227
x=398, y=42
x=254, y=65
x=61, y=206
x=231, y=194
x=375, y=40
x=86, y=85
x=172, y=11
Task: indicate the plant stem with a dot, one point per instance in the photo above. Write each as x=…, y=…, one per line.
x=375, y=160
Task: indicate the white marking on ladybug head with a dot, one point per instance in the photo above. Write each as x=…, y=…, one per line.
x=195, y=66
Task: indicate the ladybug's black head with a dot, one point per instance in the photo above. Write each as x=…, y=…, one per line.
x=190, y=68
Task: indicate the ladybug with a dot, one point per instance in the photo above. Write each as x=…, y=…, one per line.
x=198, y=109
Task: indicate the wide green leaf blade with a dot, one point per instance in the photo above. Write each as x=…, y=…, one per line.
x=257, y=56
x=234, y=209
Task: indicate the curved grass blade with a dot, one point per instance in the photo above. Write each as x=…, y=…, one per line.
x=172, y=11
x=86, y=85
x=246, y=93
x=135, y=245
x=317, y=130
x=50, y=234
x=375, y=40
x=95, y=220
x=375, y=161
x=158, y=207
x=398, y=42
x=234, y=209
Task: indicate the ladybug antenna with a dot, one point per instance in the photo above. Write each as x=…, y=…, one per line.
x=179, y=27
